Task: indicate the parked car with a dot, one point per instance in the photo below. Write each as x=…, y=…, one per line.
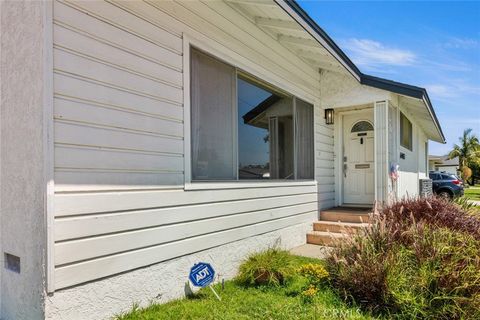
x=446, y=185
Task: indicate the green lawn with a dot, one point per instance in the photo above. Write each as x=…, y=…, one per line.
x=239, y=302
x=473, y=193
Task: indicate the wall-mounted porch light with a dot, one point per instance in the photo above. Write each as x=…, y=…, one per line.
x=329, y=116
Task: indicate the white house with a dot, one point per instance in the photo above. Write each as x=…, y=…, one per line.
x=140, y=137
x=443, y=163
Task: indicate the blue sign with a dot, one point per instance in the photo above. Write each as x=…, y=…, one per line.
x=201, y=274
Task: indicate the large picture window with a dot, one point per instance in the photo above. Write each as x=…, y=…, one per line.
x=243, y=129
x=213, y=94
x=406, y=133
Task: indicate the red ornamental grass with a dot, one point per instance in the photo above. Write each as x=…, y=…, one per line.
x=432, y=211
x=418, y=259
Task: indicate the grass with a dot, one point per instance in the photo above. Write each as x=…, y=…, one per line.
x=473, y=193
x=240, y=302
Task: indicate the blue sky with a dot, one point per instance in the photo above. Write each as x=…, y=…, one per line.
x=431, y=44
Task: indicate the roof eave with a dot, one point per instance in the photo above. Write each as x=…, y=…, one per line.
x=428, y=103
x=379, y=83
x=296, y=11
x=406, y=90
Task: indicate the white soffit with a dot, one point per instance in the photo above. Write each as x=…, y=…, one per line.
x=271, y=18
x=418, y=111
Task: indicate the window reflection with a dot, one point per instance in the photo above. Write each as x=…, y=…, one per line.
x=265, y=133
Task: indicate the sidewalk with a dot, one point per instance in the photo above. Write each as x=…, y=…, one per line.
x=475, y=202
x=311, y=250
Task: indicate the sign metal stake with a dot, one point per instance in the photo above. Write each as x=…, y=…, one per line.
x=215, y=293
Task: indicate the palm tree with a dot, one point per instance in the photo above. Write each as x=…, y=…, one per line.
x=468, y=152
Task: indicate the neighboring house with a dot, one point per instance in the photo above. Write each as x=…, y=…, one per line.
x=131, y=148
x=443, y=163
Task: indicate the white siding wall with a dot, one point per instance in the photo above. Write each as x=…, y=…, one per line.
x=119, y=137
x=412, y=168
x=324, y=161
x=118, y=98
x=422, y=156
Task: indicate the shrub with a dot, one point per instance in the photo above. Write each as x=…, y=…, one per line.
x=433, y=279
x=417, y=260
x=433, y=211
x=270, y=268
x=315, y=273
x=297, y=285
x=357, y=267
x=308, y=294
x=307, y=281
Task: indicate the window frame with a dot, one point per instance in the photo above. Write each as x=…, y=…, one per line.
x=243, y=70
x=400, y=127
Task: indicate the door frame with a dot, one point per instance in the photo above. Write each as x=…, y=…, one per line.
x=339, y=153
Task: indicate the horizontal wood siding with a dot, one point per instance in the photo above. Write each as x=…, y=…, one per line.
x=119, y=137
x=97, y=246
x=118, y=115
x=99, y=234
x=73, y=204
x=88, y=270
x=324, y=161
x=98, y=224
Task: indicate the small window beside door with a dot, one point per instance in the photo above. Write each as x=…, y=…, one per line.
x=406, y=134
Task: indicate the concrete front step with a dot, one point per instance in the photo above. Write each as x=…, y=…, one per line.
x=332, y=226
x=344, y=216
x=323, y=238
x=336, y=222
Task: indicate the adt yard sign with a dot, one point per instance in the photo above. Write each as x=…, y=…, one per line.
x=202, y=274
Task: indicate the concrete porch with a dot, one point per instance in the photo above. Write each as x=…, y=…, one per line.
x=335, y=222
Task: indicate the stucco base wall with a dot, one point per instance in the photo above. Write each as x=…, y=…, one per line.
x=22, y=192
x=161, y=282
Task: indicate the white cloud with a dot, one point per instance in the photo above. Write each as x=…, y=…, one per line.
x=452, y=65
x=454, y=88
x=372, y=55
x=441, y=91
x=461, y=43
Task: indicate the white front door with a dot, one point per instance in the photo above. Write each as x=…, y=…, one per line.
x=358, y=159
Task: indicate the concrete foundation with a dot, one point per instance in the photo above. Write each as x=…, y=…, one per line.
x=161, y=282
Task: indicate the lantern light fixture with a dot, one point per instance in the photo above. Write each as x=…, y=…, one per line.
x=329, y=116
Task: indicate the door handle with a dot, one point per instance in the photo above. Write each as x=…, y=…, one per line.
x=345, y=170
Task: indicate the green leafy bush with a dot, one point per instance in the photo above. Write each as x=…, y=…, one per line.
x=309, y=293
x=269, y=268
x=315, y=273
x=296, y=285
x=409, y=265
x=308, y=279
